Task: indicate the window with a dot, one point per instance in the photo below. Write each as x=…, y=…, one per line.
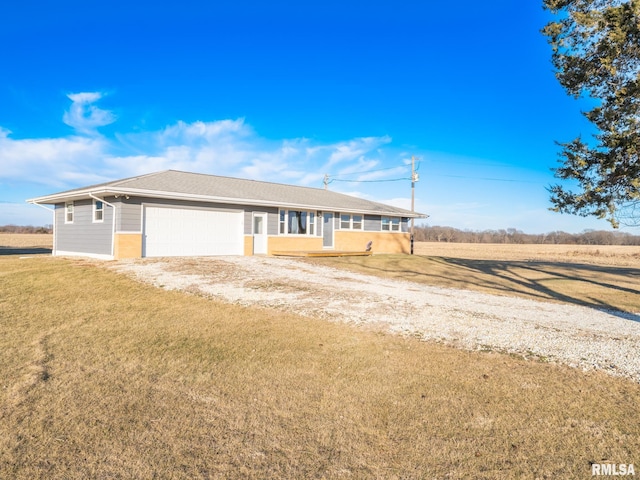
x=98, y=211
x=257, y=225
x=390, y=224
x=68, y=216
x=297, y=222
x=350, y=222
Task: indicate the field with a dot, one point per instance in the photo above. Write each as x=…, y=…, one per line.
x=104, y=377
x=25, y=240
x=612, y=255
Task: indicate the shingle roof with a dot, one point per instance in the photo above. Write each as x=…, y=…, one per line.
x=176, y=184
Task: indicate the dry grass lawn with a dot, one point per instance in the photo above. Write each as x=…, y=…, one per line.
x=103, y=377
x=596, y=276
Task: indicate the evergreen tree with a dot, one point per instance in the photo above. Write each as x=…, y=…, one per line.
x=596, y=53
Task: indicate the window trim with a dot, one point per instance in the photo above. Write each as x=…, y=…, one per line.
x=68, y=211
x=351, y=222
x=348, y=227
x=311, y=227
x=96, y=210
x=391, y=223
x=311, y=223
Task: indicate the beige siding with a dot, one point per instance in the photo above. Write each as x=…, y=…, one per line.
x=128, y=245
x=294, y=244
x=248, y=245
x=383, y=242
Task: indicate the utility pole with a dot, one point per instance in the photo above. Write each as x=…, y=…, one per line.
x=414, y=179
x=326, y=181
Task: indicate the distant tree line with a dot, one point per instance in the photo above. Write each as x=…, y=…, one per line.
x=428, y=233
x=25, y=229
x=511, y=235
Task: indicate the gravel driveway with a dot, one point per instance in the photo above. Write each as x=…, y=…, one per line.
x=578, y=336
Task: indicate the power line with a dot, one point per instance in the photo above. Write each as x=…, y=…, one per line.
x=368, y=171
x=485, y=178
x=368, y=181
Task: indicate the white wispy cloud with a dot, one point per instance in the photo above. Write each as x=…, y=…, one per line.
x=353, y=149
x=85, y=117
x=228, y=147
x=232, y=147
x=49, y=161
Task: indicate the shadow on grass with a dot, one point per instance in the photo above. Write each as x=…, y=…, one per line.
x=607, y=288
x=24, y=251
x=536, y=278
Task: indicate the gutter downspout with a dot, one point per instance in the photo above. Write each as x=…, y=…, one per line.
x=113, y=227
x=52, y=210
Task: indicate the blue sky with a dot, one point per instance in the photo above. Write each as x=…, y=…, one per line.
x=288, y=91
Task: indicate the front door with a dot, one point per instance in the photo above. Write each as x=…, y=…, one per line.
x=327, y=230
x=259, y=233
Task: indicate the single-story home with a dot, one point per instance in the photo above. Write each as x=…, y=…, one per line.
x=173, y=213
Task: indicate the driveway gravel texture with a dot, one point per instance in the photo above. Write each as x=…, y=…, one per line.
x=578, y=336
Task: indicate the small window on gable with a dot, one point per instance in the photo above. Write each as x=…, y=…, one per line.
x=98, y=211
x=68, y=212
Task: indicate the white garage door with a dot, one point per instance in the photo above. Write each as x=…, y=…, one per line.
x=182, y=232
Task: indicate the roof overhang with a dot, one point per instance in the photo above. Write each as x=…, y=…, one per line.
x=135, y=192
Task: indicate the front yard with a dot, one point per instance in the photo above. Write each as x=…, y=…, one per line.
x=105, y=377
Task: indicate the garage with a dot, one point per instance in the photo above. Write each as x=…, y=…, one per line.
x=182, y=232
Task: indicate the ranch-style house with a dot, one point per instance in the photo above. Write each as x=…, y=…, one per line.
x=175, y=213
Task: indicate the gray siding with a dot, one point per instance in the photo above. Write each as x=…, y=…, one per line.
x=372, y=223
x=83, y=235
x=273, y=228
x=272, y=219
x=129, y=217
x=130, y=212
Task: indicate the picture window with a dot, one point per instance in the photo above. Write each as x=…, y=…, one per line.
x=297, y=222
